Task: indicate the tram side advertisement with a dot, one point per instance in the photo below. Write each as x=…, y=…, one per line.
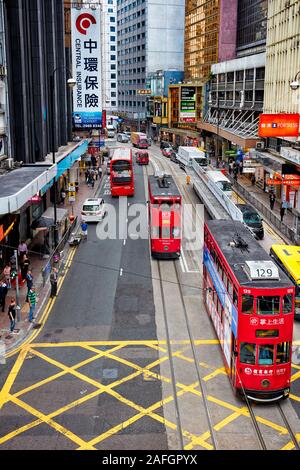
x=230, y=312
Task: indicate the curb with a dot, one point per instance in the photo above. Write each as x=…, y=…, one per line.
x=24, y=335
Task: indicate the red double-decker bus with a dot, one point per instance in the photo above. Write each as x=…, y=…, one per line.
x=164, y=217
x=251, y=303
x=121, y=173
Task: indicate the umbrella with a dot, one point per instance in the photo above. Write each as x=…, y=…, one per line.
x=42, y=223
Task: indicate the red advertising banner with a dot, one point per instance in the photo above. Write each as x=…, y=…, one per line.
x=103, y=119
x=278, y=125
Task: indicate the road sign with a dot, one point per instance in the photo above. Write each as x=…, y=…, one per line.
x=143, y=92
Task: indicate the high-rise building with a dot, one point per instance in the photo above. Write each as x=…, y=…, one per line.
x=150, y=38
x=109, y=55
x=235, y=92
x=35, y=48
x=201, y=38
x=4, y=108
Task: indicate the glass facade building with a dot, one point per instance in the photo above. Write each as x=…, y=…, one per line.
x=252, y=25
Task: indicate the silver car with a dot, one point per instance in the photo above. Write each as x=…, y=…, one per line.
x=123, y=138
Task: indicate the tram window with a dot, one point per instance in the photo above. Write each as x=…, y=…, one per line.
x=235, y=298
x=287, y=303
x=283, y=353
x=155, y=232
x=268, y=305
x=248, y=304
x=176, y=232
x=166, y=232
x=267, y=333
x=266, y=355
x=230, y=287
x=166, y=207
x=224, y=278
x=247, y=353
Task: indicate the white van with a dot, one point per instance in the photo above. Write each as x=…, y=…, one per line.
x=216, y=179
x=186, y=155
x=93, y=210
x=111, y=131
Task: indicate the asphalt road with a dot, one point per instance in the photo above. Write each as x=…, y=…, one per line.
x=106, y=301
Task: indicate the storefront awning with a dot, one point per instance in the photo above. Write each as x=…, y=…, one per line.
x=69, y=160
x=17, y=187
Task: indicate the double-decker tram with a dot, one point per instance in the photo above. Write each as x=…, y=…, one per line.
x=121, y=173
x=251, y=303
x=164, y=217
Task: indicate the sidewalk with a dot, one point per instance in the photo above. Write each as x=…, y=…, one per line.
x=23, y=328
x=260, y=200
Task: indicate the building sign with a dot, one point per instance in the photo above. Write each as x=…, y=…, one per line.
x=35, y=199
x=278, y=125
x=143, y=92
x=86, y=57
x=188, y=104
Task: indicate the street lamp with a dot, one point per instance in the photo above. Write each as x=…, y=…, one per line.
x=71, y=84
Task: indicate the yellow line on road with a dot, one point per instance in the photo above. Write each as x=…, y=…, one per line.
x=295, y=376
x=12, y=377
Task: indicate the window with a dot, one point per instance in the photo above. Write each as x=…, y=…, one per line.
x=247, y=304
x=113, y=75
x=112, y=29
x=112, y=57
x=114, y=103
x=235, y=298
x=268, y=305
x=247, y=353
x=112, y=38
x=113, y=85
x=283, y=353
x=287, y=306
x=165, y=232
x=112, y=48
x=266, y=354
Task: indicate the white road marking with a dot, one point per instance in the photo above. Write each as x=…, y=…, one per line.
x=121, y=272
x=182, y=265
x=124, y=242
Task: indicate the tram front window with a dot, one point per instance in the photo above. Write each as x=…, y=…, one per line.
x=268, y=305
x=247, y=304
x=287, y=303
x=247, y=354
x=283, y=353
x=266, y=355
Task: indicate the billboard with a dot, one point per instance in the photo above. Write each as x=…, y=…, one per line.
x=187, y=104
x=278, y=125
x=86, y=58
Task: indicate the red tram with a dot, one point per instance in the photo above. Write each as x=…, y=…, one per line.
x=164, y=217
x=121, y=173
x=251, y=304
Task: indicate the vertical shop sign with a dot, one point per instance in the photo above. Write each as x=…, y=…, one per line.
x=86, y=52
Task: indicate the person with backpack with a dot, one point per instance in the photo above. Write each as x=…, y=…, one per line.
x=53, y=282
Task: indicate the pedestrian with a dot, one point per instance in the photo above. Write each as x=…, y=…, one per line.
x=92, y=178
x=100, y=171
x=63, y=196
x=94, y=161
x=25, y=266
x=253, y=180
x=3, y=294
x=235, y=173
x=84, y=230
x=7, y=275
x=12, y=314
x=29, y=281
x=282, y=212
x=230, y=167
x=22, y=249
x=32, y=303
x=272, y=200
x=53, y=282
x=241, y=167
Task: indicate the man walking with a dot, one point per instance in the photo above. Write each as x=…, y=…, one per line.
x=53, y=282
x=272, y=200
x=12, y=314
x=32, y=303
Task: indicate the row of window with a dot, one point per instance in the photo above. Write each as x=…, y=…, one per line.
x=125, y=41
x=132, y=71
x=129, y=7
x=239, y=75
x=134, y=60
x=131, y=17
x=249, y=95
x=132, y=49
x=265, y=354
x=267, y=305
x=132, y=104
x=134, y=81
x=133, y=27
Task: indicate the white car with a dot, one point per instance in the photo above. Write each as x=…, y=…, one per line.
x=123, y=138
x=93, y=210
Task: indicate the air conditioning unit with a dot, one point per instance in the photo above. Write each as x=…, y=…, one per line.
x=260, y=146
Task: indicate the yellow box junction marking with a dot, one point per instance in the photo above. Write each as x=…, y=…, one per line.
x=113, y=348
